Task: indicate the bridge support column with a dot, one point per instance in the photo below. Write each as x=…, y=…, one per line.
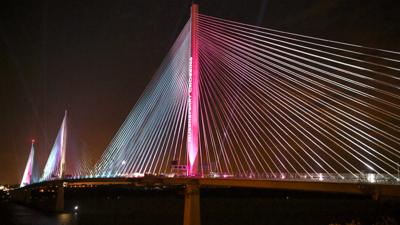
x=192, y=205
x=27, y=196
x=375, y=195
x=60, y=199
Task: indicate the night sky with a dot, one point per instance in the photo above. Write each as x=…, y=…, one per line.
x=94, y=58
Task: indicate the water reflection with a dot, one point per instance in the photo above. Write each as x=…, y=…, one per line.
x=14, y=214
x=112, y=206
x=67, y=218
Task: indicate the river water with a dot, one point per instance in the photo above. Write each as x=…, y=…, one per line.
x=218, y=207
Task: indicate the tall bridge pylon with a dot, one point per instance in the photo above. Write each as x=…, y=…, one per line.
x=55, y=165
x=193, y=98
x=31, y=173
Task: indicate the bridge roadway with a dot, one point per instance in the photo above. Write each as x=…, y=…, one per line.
x=364, y=188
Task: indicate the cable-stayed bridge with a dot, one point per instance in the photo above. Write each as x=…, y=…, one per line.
x=234, y=104
x=238, y=100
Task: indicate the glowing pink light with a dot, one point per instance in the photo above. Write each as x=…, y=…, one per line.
x=193, y=101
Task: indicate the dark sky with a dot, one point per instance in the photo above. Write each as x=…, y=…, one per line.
x=94, y=58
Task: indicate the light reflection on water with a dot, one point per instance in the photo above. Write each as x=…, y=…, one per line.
x=66, y=218
x=218, y=206
x=16, y=214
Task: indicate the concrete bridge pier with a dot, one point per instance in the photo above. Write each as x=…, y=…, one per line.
x=192, y=205
x=59, y=199
x=22, y=196
x=27, y=196
x=376, y=196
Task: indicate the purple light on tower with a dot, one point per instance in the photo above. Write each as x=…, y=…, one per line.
x=193, y=100
x=29, y=169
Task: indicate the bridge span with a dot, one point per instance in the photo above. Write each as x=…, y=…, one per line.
x=355, y=187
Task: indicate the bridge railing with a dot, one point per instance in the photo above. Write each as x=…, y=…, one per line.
x=321, y=177
x=312, y=177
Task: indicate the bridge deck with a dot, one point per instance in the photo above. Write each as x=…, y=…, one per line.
x=392, y=190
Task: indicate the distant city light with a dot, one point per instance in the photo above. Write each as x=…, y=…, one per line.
x=138, y=174
x=76, y=208
x=371, y=178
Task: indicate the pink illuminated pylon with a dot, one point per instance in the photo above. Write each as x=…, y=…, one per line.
x=193, y=101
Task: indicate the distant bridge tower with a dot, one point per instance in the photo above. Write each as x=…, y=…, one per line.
x=31, y=173
x=55, y=165
x=193, y=98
